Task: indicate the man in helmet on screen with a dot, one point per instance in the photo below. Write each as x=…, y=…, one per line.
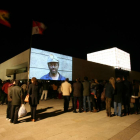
x=53, y=65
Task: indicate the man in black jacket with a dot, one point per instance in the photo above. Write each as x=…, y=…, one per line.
x=77, y=92
x=16, y=93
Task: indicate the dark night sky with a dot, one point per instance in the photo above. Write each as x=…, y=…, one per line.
x=73, y=33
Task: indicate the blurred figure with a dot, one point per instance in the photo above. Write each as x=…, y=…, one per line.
x=93, y=95
x=77, y=91
x=109, y=91
x=33, y=97
x=139, y=98
x=24, y=87
x=5, y=89
x=126, y=95
x=55, y=93
x=0, y=88
x=86, y=93
x=59, y=91
x=98, y=94
x=118, y=97
x=135, y=94
x=9, y=105
x=45, y=90
x=103, y=104
x=66, y=90
x=16, y=93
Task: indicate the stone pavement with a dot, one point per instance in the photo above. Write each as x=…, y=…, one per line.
x=54, y=124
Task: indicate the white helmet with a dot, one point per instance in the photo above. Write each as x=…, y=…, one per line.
x=52, y=58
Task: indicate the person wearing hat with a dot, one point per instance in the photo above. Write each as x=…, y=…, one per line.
x=53, y=65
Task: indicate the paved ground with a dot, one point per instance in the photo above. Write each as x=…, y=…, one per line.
x=54, y=124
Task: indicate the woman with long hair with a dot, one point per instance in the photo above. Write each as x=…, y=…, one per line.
x=33, y=97
x=109, y=91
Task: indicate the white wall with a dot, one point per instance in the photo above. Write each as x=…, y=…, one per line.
x=16, y=60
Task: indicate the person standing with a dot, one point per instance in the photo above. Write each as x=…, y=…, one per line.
x=86, y=93
x=109, y=91
x=77, y=91
x=93, y=95
x=55, y=93
x=1, y=88
x=127, y=95
x=45, y=90
x=66, y=90
x=5, y=89
x=16, y=93
x=24, y=87
x=98, y=95
x=9, y=105
x=118, y=97
x=135, y=94
x=33, y=97
x=59, y=91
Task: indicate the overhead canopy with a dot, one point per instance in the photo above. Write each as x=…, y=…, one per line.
x=17, y=69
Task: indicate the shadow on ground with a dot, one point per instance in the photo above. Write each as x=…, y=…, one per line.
x=40, y=115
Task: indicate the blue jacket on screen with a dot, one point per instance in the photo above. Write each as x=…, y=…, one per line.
x=47, y=77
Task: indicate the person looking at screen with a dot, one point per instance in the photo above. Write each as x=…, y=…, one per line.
x=53, y=65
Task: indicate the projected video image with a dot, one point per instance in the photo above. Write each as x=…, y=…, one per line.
x=46, y=65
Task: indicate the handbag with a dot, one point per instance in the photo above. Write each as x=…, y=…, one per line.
x=26, y=98
x=132, y=100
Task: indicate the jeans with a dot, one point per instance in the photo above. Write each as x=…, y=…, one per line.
x=84, y=102
x=119, y=108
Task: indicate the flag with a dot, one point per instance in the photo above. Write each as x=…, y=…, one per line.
x=38, y=27
x=4, y=17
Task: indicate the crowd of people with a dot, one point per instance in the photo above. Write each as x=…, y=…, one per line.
x=88, y=96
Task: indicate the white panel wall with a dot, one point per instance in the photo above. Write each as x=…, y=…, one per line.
x=16, y=60
x=111, y=57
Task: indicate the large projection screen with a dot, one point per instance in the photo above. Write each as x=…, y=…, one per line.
x=44, y=63
x=111, y=57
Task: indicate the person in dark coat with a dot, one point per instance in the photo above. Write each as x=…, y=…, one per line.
x=16, y=94
x=86, y=94
x=127, y=95
x=118, y=96
x=77, y=91
x=109, y=91
x=33, y=97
